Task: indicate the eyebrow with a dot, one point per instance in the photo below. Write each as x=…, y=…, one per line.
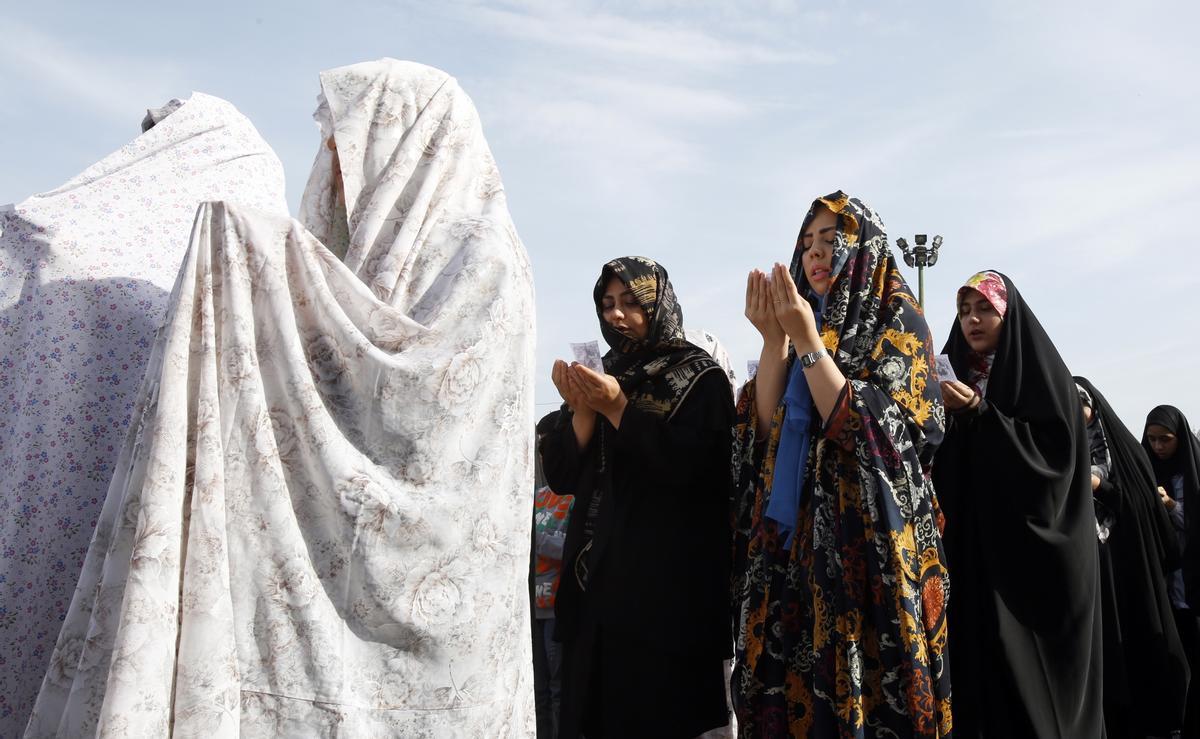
x=827, y=229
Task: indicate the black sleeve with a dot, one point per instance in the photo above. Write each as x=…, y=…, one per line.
x=696, y=440
x=562, y=459
x=1109, y=494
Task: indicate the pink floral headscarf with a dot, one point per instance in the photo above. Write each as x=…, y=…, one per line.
x=991, y=286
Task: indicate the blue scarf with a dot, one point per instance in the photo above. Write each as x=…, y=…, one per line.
x=791, y=458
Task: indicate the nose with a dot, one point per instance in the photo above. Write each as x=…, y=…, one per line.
x=615, y=315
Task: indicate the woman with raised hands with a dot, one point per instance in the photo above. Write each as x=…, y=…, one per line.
x=839, y=583
x=642, y=607
x=1013, y=476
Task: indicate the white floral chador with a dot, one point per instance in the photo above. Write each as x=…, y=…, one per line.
x=321, y=526
x=85, y=273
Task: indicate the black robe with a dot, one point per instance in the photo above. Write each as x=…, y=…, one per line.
x=1186, y=462
x=1013, y=478
x=649, y=635
x=1145, y=668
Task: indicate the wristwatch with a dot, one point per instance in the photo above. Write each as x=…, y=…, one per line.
x=808, y=360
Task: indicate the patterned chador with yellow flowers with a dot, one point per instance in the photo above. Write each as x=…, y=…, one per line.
x=841, y=628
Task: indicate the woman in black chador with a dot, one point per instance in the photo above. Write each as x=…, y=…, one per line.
x=1013, y=476
x=1145, y=669
x=1175, y=454
x=643, y=604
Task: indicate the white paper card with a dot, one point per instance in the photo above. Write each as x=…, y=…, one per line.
x=945, y=371
x=588, y=354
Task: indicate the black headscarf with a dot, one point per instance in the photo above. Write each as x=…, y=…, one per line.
x=656, y=372
x=1146, y=671
x=1186, y=462
x=1014, y=480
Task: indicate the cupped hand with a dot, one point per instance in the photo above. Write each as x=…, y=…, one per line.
x=571, y=393
x=600, y=392
x=793, y=312
x=760, y=308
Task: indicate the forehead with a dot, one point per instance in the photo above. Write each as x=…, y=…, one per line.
x=614, y=288
x=1155, y=430
x=822, y=218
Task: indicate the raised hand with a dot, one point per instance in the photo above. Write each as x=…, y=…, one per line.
x=793, y=312
x=760, y=308
x=600, y=392
x=571, y=393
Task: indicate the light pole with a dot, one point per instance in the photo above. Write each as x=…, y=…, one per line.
x=920, y=256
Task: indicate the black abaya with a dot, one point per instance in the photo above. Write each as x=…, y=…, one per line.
x=1146, y=672
x=1013, y=477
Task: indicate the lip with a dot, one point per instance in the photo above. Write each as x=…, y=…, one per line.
x=820, y=273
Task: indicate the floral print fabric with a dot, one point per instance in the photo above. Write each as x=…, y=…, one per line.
x=321, y=524
x=845, y=634
x=85, y=272
x=990, y=285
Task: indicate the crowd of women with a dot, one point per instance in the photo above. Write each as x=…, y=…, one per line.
x=317, y=522
x=883, y=551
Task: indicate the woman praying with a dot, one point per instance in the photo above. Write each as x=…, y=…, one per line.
x=839, y=583
x=642, y=608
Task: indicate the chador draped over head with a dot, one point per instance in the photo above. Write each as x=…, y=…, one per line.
x=825, y=626
x=1013, y=477
x=320, y=524
x=85, y=272
x=1145, y=668
x=1185, y=462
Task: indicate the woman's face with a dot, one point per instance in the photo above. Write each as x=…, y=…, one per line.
x=1162, y=441
x=621, y=310
x=816, y=244
x=979, y=321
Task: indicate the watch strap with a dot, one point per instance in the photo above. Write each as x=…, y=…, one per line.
x=808, y=360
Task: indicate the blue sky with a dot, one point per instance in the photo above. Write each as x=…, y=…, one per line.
x=1056, y=142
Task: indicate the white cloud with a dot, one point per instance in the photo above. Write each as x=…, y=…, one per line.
x=617, y=37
